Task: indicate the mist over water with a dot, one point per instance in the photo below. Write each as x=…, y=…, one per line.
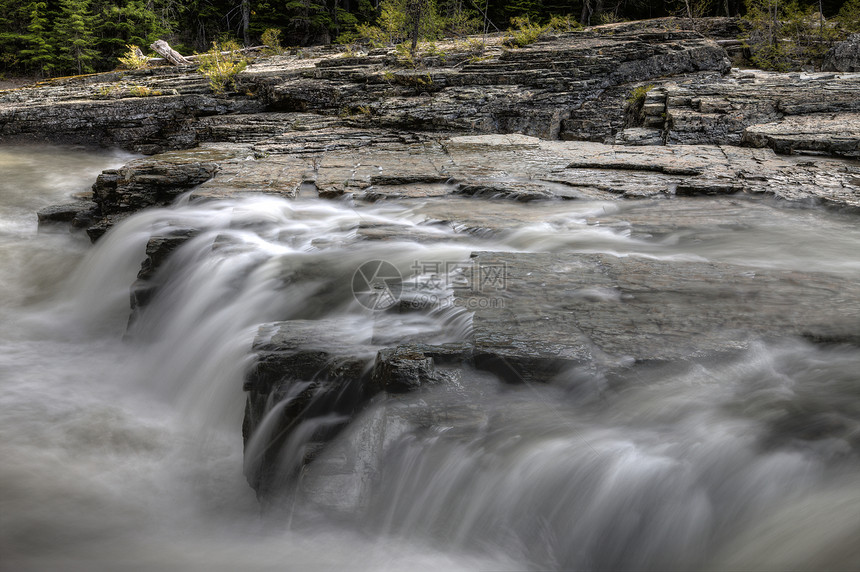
x=128, y=455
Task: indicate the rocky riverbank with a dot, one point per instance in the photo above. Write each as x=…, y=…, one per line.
x=649, y=112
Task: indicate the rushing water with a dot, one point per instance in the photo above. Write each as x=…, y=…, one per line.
x=128, y=456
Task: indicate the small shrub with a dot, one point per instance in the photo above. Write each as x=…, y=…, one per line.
x=133, y=59
x=432, y=50
x=143, y=91
x=637, y=95
x=406, y=79
x=349, y=111
x=566, y=23
x=404, y=55
x=634, y=104
x=348, y=37
x=523, y=32
x=476, y=45
x=609, y=18
x=271, y=38
x=106, y=90
x=221, y=65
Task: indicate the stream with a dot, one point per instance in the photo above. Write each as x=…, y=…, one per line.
x=121, y=446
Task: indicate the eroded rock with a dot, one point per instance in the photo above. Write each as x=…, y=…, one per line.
x=844, y=56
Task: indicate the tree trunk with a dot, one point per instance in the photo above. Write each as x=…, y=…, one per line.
x=585, y=18
x=416, y=23
x=163, y=49
x=246, y=22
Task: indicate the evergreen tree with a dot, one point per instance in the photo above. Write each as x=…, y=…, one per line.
x=75, y=36
x=308, y=22
x=12, y=26
x=130, y=22
x=38, y=55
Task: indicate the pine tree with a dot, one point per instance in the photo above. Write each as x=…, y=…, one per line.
x=12, y=25
x=133, y=22
x=38, y=55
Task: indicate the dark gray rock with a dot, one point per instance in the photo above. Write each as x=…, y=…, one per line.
x=844, y=56
x=155, y=181
x=541, y=313
x=308, y=363
x=63, y=213
x=407, y=368
x=532, y=90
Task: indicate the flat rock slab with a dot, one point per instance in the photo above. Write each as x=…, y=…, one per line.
x=372, y=166
x=824, y=133
x=536, y=313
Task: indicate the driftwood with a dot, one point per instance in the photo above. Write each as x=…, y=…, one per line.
x=163, y=49
x=192, y=59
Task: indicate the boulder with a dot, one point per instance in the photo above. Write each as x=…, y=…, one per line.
x=844, y=56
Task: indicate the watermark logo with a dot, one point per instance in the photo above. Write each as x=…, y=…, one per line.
x=435, y=274
x=377, y=285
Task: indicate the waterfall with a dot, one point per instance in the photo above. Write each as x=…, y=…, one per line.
x=122, y=446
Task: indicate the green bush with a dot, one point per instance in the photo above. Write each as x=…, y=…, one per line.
x=271, y=38
x=523, y=32
x=567, y=23
x=143, y=91
x=133, y=59
x=221, y=64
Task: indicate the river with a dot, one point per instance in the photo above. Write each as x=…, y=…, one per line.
x=127, y=454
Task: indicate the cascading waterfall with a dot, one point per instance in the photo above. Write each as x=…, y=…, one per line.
x=128, y=455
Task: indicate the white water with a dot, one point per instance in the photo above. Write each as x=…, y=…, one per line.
x=128, y=456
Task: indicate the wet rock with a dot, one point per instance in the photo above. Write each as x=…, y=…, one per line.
x=403, y=369
x=159, y=248
x=144, y=289
x=63, y=213
x=518, y=167
x=522, y=191
x=537, y=314
x=304, y=372
x=844, y=56
x=155, y=181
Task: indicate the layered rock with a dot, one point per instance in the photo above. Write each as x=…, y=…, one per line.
x=375, y=165
x=571, y=86
x=844, y=56
x=531, y=90
x=103, y=109
x=724, y=111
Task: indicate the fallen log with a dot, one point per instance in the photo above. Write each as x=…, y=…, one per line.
x=193, y=58
x=163, y=49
